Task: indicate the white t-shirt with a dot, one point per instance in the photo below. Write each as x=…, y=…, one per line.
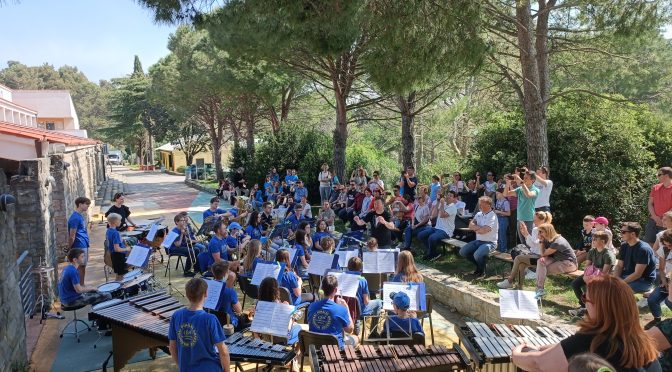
x=460, y=205
x=532, y=241
x=421, y=212
x=324, y=181
x=490, y=186
x=661, y=253
x=544, y=199
x=487, y=219
x=447, y=224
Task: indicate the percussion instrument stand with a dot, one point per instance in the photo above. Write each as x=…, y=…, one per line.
x=170, y=283
x=44, y=271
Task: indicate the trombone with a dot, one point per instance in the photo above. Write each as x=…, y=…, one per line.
x=190, y=247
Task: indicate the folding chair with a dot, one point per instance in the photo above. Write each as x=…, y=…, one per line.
x=247, y=288
x=307, y=338
x=428, y=314
x=179, y=261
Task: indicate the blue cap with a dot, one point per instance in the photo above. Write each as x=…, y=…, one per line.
x=400, y=300
x=263, y=240
x=235, y=225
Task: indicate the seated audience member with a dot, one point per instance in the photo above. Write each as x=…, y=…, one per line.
x=367, y=306
x=484, y=224
x=70, y=291
x=611, y=330
x=470, y=196
x=372, y=245
x=291, y=281
x=667, y=222
x=269, y=292
x=376, y=184
x=527, y=255
x=602, y=224
x=331, y=315
x=662, y=292
x=196, y=339
x=636, y=260
x=586, y=239
x=406, y=270
x=445, y=226
x=661, y=334
x=256, y=197
x=402, y=211
x=421, y=214
x=599, y=260
x=214, y=210
x=589, y=362
x=307, y=211
x=224, y=189
x=404, y=321
x=116, y=246
x=503, y=212
x=320, y=232
x=327, y=215
x=228, y=298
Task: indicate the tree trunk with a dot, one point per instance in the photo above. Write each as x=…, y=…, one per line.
x=418, y=154
x=407, y=106
x=340, y=137
x=249, y=136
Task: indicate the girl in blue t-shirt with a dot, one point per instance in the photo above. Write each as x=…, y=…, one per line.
x=269, y=292
x=116, y=246
x=228, y=298
x=320, y=232
x=254, y=229
x=291, y=281
x=252, y=257
x=302, y=253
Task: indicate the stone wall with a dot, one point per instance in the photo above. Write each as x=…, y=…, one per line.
x=12, y=326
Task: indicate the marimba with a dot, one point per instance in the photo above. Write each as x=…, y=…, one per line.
x=388, y=358
x=491, y=344
x=253, y=350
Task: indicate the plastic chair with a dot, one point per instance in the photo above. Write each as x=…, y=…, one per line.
x=307, y=338
x=74, y=321
x=428, y=314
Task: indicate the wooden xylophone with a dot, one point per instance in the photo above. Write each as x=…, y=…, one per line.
x=142, y=322
x=387, y=358
x=491, y=344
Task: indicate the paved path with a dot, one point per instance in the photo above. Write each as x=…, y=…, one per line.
x=152, y=195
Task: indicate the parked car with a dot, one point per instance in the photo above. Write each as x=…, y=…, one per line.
x=114, y=159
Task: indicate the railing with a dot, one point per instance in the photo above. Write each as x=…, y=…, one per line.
x=26, y=284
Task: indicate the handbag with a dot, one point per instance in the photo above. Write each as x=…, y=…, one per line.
x=520, y=249
x=591, y=270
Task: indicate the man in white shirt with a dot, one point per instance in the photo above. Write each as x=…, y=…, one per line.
x=485, y=225
x=445, y=226
x=545, y=185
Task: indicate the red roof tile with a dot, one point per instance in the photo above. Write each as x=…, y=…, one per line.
x=44, y=135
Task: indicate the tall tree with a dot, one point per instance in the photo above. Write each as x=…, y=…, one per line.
x=137, y=67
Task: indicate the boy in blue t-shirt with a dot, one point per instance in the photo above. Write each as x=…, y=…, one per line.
x=116, y=246
x=214, y=210
x=228, y=298
x=331, y=315
x=70, y=290
x=194, y=334
x=403, y=322
x=78, y=234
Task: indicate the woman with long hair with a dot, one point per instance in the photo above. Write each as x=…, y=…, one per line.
x=302, y=252
x=252, y=256
x=270, y=292
x=320, y=232
x=610, y=329
x=290, y=280
x=254, y=228
x=406, y=270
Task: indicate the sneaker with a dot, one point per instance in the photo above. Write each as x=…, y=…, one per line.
x=530, y=275
x=652, y=323
x=580, y=312
x=642, y=303
x=505, y=284
x=539, y=293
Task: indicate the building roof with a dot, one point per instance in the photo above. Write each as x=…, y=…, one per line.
x=44, y=135
x=169, y=147
x=48, y=103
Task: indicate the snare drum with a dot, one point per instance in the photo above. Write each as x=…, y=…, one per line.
x=105, y=304
x=132, y=275
x=135, y=285
x=113, y=288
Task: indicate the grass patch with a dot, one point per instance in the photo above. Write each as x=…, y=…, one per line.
x=212, y=184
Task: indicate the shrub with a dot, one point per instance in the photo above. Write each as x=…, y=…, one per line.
x=181, y=169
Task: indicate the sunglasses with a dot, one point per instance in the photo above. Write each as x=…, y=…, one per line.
x=625, y=231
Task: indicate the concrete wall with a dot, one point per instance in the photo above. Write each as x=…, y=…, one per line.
x=12, y=326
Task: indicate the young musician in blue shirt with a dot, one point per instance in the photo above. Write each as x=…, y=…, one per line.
x=194, y=334
x=214, y=210
x=78, y=234
x=70, y=289
x=184, y=241
x=366, y=305
x=290, y=280
x=228, y=298
x=116, y=246
x=331, y=315
x=403, y=321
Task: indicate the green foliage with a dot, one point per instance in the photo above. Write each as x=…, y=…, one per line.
x=373, y=159
x=600, y=160
x=181, y=169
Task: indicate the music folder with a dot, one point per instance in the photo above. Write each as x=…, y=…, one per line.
x=379, y=262
x=272, y=318
x=415, y=291
x=264, y=269
x=170, y=238
x=138, y=256
x=320, y=262
x=518, y=304
x=214, y=291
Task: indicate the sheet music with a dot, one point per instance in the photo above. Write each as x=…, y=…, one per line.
x=152, y=231
x=415, y=292
x=214, y=291
x=379, y=262
x=292, y=255
x=272, y=318
x=348, y=284
x=138, y=256
x=170, y=238
x=265, y=270
x=518, y=304
x=320, y=262
x=345, y=256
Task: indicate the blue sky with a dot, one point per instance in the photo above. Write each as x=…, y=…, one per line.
x=100, y=37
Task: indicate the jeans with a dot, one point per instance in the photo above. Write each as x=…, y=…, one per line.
x=183, y=251
x=502, y=237
x=640, y=285
x=577, y=286
x=410, y=233
x=654, y=300
x=431, y=238
x=650, y=231
x=477, y=251
x=325, y=192
x=529, y=226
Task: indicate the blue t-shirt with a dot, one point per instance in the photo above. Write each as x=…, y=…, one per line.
x=300, y=192
x=640, y=253
x=253, y=232
x=526, y=205
x=76, y=221
x=234, y=211
x=300, y=252
x=217, y=245
x=275, y=177
x=231, y=242
x=113, y=237
x=293, y=221
x=268, y=188
x=434, y=190
x=259, y=196
x=362, y=290
x=66, y=287
x=291, y=179
x=397, y=278
x=397, y=324
x=196, y=334
x=319, y=235
x=290, y=281
x=209, y=213
x=326, y=316
x=227, y=298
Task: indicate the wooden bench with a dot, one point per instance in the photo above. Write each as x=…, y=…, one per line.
x=453, y=243
x=506, y=257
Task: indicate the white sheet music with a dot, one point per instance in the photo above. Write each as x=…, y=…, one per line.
x=170, y=238
x=138, y=256
x=348, y=284
x=345, y=256
x=410, y=289
x=518, y=304
x=152, y=231
x=319, y=263
x=214, y=291
x=379, y=262
x=263, y=271
x=272, y=318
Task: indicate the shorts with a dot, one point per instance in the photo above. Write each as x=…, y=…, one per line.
x=119, y=263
